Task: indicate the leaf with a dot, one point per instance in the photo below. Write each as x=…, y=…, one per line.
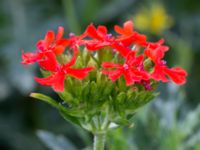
x=44, y=98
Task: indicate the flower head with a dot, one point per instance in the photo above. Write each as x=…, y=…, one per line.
x=122, y=61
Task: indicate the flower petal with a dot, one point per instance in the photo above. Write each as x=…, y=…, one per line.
x=49, y=38
x=178, y=75
x=30, y=58
x=59, y=33
x=79, y=73
x=112, y=74
x=50, y=62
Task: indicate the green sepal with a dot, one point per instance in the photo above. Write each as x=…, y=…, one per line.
x=66, y=96
x=148, y=64
x=79, y=63
x=45, y=73
x=85, y=56
x=105, y=54
x=74, y=112
x=62, y=59
x=45, y=98
x=68, y=117
x=108, y=88
x=85, y=91
x=121, y=97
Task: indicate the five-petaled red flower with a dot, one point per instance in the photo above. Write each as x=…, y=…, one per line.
x=156, y=52
x=132, y=69
x=60, y=72
x=128, y=36
x=100, y=37
x=55, y=44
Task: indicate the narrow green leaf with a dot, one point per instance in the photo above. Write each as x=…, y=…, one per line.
x=44, y=98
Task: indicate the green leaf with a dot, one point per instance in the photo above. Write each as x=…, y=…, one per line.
x=44, y=98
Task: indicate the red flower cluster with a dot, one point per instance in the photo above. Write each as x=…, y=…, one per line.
x=133, y=68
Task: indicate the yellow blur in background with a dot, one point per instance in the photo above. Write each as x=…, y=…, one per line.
x=153, y=19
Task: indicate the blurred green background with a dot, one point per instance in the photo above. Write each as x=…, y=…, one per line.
x=170, y=122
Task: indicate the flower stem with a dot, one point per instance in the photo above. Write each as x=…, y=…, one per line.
x=99, y=141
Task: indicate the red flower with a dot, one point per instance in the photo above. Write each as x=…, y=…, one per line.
x=60, y=72
x=75, y=41
x=53, y=43
x=128, y=36
x=156, y=52
x=177, y=74
x=49, y=44
x=132, y=69
x=29, y=58
x=123, y=50
x=100, y=37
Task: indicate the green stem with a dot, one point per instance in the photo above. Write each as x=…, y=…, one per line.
x=99, y=141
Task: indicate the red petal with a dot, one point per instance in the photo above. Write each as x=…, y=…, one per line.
x=30, y=58
x=41, y=45
x=143, y=75
x=63, y=42
x=126, y=30
x=102, y=30
x=59, y=33
x=79, y=73
x=158, y=73
x=96, y=45
x=73, y=59
x=178, y=75
x=49, y=63
x=128, y=75
x=59, y=49
x=112, y=74
x=121, y=49
x=48, y=81
x=128, y=27
x=56, y=81
x=49, y=38
x=132, y=60
x=92, y=32
x=59, y=81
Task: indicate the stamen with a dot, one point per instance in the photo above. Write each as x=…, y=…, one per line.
x=109, y=35
x=71, y=35
x=125, y=66
x=164, y=62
